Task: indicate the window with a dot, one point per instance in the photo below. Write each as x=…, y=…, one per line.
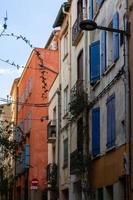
x=29, y=121
x=80, y=66
x=113, y=41
x=100, y=194
x=103, y=52
x=26, y=91
x=94, y=6
x=110, y=46
x=94, y=62
x=80, y=135
x=80, y=8
x=116, y=37
x=90, y=9
x=27, y=155
x=19, y=103
x=65, y=100
x=54, y=113
x=65, y=152
x=96, y=131
x=111, y=121
x=22, y=98
x=30, y=85
x=66, y=45
x=109, y=190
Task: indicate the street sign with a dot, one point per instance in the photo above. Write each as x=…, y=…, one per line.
x=34, y=184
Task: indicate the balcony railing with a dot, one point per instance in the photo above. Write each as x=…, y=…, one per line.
x=78, y=98
x=76, y=30
x=52, y=175
x=51, y=132
x=76, y=162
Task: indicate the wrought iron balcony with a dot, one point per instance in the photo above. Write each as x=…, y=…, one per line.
x=76, y=162
x=78, y=98
x=52, y=175
x=51, y=132
x=76, y=30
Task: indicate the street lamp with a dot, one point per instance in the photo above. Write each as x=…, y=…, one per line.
x=89, y=25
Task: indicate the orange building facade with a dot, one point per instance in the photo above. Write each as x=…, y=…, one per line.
x=32, y=118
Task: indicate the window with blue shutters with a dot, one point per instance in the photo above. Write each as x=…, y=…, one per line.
x=116, y=37
x=96, y=131
x=103, y=52
x=113, y=42
x=27, y=156
x=111, y=121
x=94, y=62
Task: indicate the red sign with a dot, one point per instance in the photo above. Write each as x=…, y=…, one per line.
x=34, y=184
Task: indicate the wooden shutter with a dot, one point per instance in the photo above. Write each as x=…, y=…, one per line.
x=94, y=62
x=111, y=121
x=96, y=131
x=116, y=37
x=90, y=9
x=27, y=155
x=103, y=52
x=80, y=66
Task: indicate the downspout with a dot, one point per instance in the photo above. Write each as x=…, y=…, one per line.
x=70, y=85
x=127, y=110
x=85, y=181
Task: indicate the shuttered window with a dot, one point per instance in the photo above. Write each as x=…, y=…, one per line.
x=27, y=156
x=103, y=52
x=65, y=152
x=96, y=131
x=116, y=37
x=94, y=62
x=111, y=121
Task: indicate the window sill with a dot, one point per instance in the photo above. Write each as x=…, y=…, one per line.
x=109, y=68
x=65, y=56
x=96, y=157
x=95, y=85
x=111, y=148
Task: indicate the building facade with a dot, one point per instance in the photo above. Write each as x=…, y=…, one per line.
x=94, y=135
x=31, y=129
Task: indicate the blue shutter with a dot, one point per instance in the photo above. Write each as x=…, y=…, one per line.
x=90, y=9
x=103, y=52
x=96, y=131
x=23, y=161
x=17, y=135
x=27, y=155
x=111, y=121
x=116, y=37
x=94, y=62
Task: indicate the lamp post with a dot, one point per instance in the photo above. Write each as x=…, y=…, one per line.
x=89, y=25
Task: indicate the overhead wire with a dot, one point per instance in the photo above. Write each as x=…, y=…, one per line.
x=23, y=104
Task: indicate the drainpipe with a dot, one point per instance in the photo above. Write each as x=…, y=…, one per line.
x=128, y=114
x=85, y=181
x=69, y=85
x=58, y=141
x=127, y=110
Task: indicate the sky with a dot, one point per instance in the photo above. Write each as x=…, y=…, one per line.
x=32, y=19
